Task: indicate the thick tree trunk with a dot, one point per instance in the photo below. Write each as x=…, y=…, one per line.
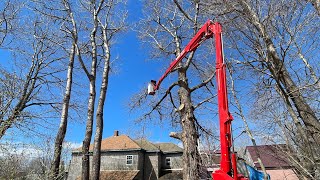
x=191, y=156
x=96, y=159
x=64, y=117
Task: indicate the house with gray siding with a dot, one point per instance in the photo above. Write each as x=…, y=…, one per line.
x=128, y=159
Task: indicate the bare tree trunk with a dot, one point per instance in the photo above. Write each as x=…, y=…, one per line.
x=64, y=117
x=189, y=136
x=96, y=159
x=92, y=97
x=104, y=9
x=66, y=100
x=88, y=133
x=306, y=145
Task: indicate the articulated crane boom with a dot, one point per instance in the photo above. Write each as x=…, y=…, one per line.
x=228, y=169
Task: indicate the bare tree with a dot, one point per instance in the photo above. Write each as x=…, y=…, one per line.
x=25, y=160
x=61, y=14
x=247, y=129
x=268, y=39
x=50, y=47
x=94, y=9
x=8, y=15
x=66, y=100
x=167, y=27
x=12, y=164
x=110, y=25
x=98, y=31
x=24, y=92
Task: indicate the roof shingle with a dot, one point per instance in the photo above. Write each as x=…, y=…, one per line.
x=168, y=147
x=124, y=142
x=146, y=145
x=121, y=142
x=272, y=156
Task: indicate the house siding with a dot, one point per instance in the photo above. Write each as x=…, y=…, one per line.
x=148, y=159
x=280, y=174
x=118, y=161
x=175, y=161
x=152, y=165
x=109, y=161
x=75, y=166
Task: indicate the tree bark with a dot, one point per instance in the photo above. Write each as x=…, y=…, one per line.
x=96, y=159
x=92, y=97
x=66, y=100
x=88, y=133
x=64, y=117
x=191, y=156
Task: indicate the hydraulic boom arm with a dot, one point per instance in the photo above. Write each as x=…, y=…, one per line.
x=228, y=169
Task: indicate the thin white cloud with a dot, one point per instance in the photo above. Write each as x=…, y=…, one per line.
x=71, y=145
x=32, y=150
x=21, y=149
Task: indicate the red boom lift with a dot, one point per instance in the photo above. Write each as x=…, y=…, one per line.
x=228, y=162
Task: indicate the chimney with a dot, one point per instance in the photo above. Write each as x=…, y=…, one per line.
x=116, y=133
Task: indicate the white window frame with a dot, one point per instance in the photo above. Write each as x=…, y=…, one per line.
x=168, y=161
x=128, y=159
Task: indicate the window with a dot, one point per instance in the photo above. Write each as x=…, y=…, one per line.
x=129, y=160
x=168, y=161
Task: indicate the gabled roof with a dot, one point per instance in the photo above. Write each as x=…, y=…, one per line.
x=272, y=156
x=121, y=142
x=125, y=143
x=168, y=147
x=147, y=145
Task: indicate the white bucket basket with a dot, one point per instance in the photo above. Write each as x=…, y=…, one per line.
x=151, y=87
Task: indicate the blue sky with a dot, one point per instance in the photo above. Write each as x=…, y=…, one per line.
x=135, y=71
